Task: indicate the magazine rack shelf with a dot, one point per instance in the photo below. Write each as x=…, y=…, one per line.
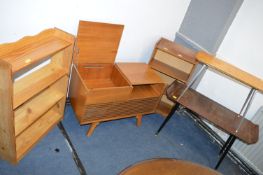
x=172, y=61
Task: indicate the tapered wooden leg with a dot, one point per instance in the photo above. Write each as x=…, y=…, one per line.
x=92, y=128
x=139, y=119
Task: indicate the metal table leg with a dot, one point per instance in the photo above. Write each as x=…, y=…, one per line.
x=175, y=107
x=225, y=145
x=225, y=151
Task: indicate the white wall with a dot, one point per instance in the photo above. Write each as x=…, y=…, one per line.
x=243, y=48
x=145, y=21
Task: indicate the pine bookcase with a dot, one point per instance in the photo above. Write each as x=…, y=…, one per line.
x=32, y=100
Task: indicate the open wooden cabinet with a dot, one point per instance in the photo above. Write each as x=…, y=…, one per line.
x=32, y=99
x=101, y=90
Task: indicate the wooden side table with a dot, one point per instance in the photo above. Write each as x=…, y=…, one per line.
x=234, y=124
x=167, y=166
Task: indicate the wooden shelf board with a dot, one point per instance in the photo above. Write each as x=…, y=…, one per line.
x=139, y=73
x=32, y=84
x=143, y=91
x=169, y=71
x=34, y=52
x=215, y=113
x=28, y=113
x=230, y=70
x=177, y=49
x=27, y=139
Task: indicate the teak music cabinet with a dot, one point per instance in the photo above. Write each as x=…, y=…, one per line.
x=101, y=90
x=31, y=103
x=172, y=61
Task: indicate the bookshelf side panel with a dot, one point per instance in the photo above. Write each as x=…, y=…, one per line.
x=7, y=134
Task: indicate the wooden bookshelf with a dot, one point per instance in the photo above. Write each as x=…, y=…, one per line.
x=33, y=104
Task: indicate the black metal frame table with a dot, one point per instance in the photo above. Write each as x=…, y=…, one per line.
x=236, y=125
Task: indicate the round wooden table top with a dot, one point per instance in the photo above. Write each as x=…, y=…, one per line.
x=166, y=166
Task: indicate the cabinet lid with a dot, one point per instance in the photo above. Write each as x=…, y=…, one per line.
x=97, y=42
x=139, y=73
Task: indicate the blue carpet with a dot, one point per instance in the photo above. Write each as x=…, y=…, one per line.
x=117, y=144
x=50, y=156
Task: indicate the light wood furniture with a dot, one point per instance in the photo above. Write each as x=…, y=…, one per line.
x=33, y=103
x=168, y=166
x=147, y=90
x=172, y=61
x=232, y=123
x=101, y=90
x=230, y=70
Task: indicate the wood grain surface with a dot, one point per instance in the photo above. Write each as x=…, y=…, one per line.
x=139, y=73
x=166, y=166
x=230, y=70
x=215, y=113
x=98, y=42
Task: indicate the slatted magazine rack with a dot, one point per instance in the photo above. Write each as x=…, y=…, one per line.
x=172, y=61
x=230, y=122
x=32, y=103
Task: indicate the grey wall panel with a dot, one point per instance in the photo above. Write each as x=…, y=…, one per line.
x=207, y=21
